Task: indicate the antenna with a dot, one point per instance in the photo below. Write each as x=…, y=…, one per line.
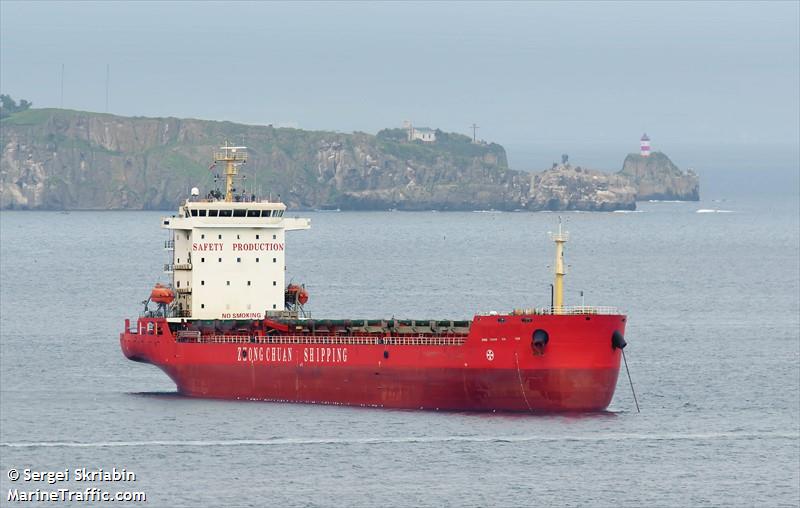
x=233, y=157
x=62, y=87
x=108, y=77
x=560, y=239
x=474, y=132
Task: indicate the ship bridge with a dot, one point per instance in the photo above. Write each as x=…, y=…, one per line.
x=227, y=252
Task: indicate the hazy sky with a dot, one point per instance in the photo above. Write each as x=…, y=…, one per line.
x=539, y=78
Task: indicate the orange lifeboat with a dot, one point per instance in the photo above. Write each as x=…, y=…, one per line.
x=162, y=294
x=297, y=293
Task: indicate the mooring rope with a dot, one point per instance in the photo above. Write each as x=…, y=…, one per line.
x=630, y=381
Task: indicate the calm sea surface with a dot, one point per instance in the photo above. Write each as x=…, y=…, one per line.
x=714, y=351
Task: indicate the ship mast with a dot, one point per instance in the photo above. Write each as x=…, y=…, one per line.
x=560, y=269
x=233, y=157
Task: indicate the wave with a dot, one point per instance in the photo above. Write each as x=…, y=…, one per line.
x=713, y=210
x=410, y=439
x=628, y=211
x=664, y=201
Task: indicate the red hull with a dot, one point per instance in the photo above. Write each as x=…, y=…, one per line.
x=495, y=369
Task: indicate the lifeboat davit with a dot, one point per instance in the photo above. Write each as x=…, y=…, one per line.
x=297, y=293
x=162, y=294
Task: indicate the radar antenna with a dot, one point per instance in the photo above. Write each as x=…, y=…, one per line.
x=233, y=157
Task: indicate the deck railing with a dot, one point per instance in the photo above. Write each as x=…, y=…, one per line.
x=442, y=340
x=578, y=310
x=565, y=310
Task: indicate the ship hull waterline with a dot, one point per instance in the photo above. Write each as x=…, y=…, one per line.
x=496, y=368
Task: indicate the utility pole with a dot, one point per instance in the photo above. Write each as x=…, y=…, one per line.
x=62, y=87
x=108, y=77
x=474, y=133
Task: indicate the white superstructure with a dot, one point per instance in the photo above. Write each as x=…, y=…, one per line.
x=228, y=255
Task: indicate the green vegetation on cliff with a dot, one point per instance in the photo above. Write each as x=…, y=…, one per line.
x=62, y=159
x=9, y=106
x=56, y=158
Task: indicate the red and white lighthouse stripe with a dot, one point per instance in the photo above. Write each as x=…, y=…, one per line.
x=644, y=144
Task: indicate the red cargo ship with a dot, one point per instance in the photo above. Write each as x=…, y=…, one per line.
x=229, y=327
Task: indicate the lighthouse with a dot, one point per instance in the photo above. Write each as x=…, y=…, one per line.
x=644, y=145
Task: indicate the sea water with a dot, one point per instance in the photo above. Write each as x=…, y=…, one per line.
x=713, y=351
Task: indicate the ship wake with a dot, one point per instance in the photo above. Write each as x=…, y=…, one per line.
x=409, y=439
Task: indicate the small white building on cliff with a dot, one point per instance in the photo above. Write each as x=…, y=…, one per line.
x=423, y=134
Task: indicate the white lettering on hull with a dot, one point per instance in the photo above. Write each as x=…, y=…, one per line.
x=283, y=354
x=264, y=354
x=325, y=355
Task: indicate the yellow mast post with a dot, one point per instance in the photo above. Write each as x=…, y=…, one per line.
x=232, y=156
x=560, y=269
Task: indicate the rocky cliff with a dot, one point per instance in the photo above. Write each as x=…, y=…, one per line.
x=656, y=177
x=59, y=159
x=574, y=188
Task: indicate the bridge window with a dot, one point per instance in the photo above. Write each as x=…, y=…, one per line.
x=225, y=213
x=239, y=213
x=202, y=213
x=194, y=212
x=266, y=213
x=213, y=213
x=253, y=213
